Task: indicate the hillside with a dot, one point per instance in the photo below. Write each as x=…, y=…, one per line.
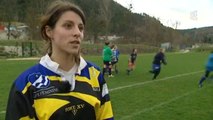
x=202, y=35
x=105, y=18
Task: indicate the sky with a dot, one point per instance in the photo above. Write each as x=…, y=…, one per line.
x=178, y=14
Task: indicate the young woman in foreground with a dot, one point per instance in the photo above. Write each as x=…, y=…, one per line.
x=62, y=86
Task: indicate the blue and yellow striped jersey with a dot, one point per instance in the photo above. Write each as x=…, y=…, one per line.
x=41, y=94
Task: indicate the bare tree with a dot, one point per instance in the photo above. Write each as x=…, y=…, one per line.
x=105, y=13
x=35, y=10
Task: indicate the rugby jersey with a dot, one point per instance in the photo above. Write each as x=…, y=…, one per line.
x=209, y=64
x=133, y=57
x=159, y=57
x=107, y=53
x=43, y=93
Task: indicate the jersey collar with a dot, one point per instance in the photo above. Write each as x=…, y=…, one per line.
x=53, y=66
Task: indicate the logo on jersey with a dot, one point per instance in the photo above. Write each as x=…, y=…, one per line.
x=74, y=109
x=38, y=80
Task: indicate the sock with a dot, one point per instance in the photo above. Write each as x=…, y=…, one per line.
x=110, y=71
x=201, y=80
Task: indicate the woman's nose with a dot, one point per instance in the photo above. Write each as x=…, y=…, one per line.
x=76, y=31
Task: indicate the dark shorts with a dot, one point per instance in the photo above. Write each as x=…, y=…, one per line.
x=209, y=68
x=156, y=67
x=107, y=63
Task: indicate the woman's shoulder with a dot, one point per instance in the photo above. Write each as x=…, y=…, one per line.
x=22, y=80
x=91, y=64
x=30, y=70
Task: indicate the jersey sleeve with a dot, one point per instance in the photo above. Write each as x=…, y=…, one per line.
x=18, y=106
x=105, y=111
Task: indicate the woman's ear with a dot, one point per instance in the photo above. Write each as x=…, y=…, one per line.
x=48, y=31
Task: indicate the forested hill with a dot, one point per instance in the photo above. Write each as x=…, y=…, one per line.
x=201, y=35
x=104, y=18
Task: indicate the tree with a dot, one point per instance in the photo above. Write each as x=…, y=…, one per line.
x=35, y=9
x=105, y=15
x=8, y=11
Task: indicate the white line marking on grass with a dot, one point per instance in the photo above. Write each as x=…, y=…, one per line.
x=157, y=106
x=142, y=83
x=2, y=112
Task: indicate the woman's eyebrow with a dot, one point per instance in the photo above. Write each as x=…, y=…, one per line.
x=71, y=21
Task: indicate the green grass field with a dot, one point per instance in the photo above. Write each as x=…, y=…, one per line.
x=174, y=95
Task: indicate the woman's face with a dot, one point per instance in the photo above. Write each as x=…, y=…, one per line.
x=67, y=34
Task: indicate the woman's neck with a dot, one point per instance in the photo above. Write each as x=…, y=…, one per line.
x=66, y=62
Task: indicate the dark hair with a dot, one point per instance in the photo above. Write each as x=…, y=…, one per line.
x=112, y=46
x=133, y=50
x=53, y=14
x=107, y=42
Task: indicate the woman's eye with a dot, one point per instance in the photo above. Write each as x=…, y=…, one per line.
x=81, y=28
x=67, y=26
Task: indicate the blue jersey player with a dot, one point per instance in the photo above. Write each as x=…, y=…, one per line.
x=209, y=68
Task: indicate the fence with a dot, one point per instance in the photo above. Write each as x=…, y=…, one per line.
x=20, y=49
x=36, y=48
